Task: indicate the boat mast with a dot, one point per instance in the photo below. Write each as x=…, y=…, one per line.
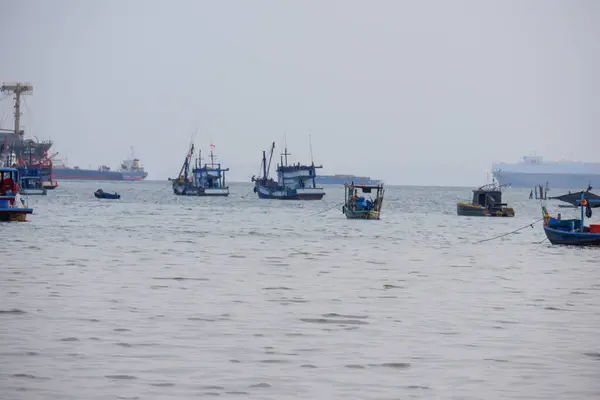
x=285, y=152
x=312, y=161
x=582, y=213
x=18, y=89
x=270, y=158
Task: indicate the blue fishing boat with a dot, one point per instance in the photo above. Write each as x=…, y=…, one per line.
x=101, y=194
x=32, y=186
x=206, y=180
x=12, y=206
x=573, y=231
x=487, y=202
x=294, y=182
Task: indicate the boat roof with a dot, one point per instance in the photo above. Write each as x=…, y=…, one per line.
x=293, y=168
x=4, y=169
x=378, y=186
x=492, y=187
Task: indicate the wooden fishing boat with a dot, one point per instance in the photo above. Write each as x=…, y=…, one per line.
x=101, y=194
x=12, y=206
x=573, y=231
x=359, y=207
x=487, y=202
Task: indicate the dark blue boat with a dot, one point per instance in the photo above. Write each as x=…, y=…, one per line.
x=101, y=194
x=12, y=206
x=295, y=182
x=573, y=231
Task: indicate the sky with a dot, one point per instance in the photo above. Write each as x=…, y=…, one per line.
x=411, y=92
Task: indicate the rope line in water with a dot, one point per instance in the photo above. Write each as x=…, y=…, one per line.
x=327, y=209
x=509, y=233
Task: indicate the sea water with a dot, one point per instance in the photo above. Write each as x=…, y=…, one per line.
x=156, y=296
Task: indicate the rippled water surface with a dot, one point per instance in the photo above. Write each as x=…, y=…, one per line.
x=158, y=297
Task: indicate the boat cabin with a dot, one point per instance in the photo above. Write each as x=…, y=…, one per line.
x=297, y=176
x=9, y=181
x=488, y=196
x=363, y=201
x=210, y=176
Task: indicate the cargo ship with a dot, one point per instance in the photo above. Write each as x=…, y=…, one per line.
x=532, y=171
x=344, y=179
x=131, y=170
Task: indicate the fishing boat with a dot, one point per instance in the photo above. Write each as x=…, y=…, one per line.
x=12, y=206
x=359, y=207
x=101, y=194
x=294, y=182
x=32, y=186
x=206, y=180
x=487, y=202
x=573, y=231
x=574, y=198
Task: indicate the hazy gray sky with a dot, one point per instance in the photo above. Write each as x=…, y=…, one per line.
x=412, y=92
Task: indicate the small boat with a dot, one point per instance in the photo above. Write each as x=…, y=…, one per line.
x=487, y=202
x=573, y=231
x=32, y=186
x=49, y=185
x=101, y=194
x=208, y=180
x=574, y=198
x=12, y=206
x=295, y=182
x=358, y=207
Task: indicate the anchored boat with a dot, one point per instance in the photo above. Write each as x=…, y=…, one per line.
x=359, y=207
x=208, y=180
x=487, y=202
x=574, y=198
x=32, y=186
x=101, y=194
x=573, y=231
x=12, y=206
x=294, y=182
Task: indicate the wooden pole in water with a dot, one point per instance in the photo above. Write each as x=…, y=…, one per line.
x=582, y=214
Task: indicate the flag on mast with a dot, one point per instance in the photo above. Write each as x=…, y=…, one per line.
x=212, y=146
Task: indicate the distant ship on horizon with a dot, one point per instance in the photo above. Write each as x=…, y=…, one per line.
x=130, y=170
x=341, y=179
x=532, y=171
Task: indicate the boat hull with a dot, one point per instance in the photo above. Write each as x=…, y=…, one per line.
x=14, y=214
x=473, y=210
x=34, y=192
x=200, y=192
x=361, y=214
x=562, y=237
x=278, y=194
x=108, y=196
x=92, y=175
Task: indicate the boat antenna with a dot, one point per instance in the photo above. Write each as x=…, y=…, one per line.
x=212, y=157
x=285, y=152
x=312, y=161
